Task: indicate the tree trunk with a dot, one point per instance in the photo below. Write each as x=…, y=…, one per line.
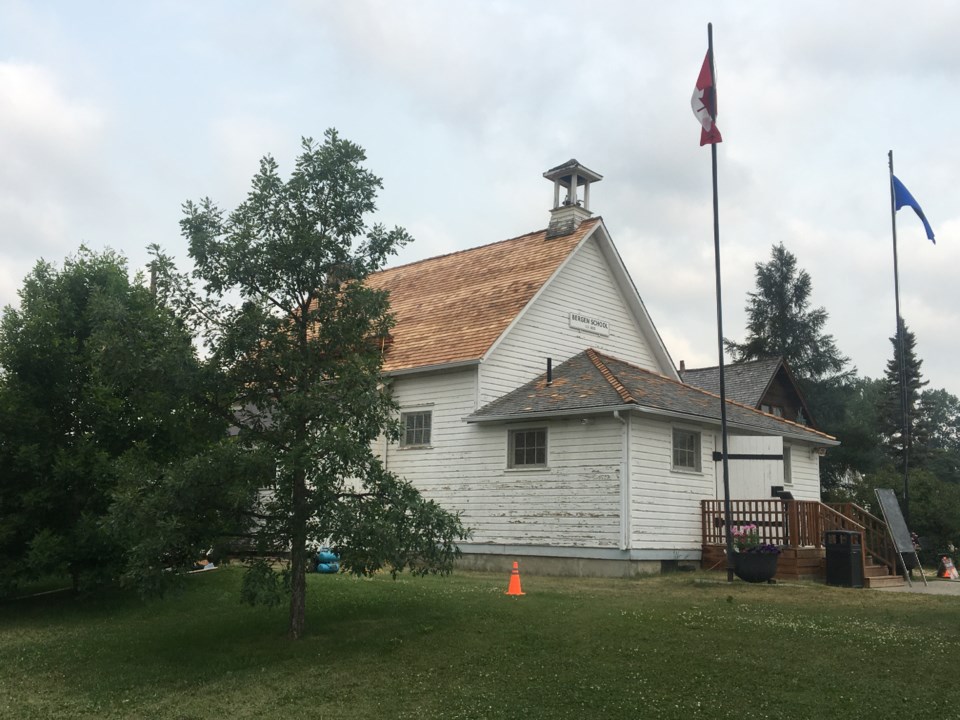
x=298, y=558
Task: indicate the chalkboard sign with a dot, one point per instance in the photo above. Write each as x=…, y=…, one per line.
x=895, y=521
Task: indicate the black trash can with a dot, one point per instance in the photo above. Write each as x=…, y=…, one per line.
x=844, y=558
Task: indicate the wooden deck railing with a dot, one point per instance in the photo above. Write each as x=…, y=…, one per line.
x=787, y=523
x=877, y=540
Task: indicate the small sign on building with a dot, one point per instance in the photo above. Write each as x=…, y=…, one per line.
x=596, y=326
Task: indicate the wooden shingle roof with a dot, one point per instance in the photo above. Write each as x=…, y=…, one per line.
x=594, y=382
x=452, y=308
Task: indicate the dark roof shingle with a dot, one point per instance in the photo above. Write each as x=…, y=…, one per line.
x=744, y=382
x=592, y=381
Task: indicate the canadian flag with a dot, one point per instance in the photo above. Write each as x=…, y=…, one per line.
x=704, y=104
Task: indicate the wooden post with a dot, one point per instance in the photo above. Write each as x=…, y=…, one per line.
x=795, y=509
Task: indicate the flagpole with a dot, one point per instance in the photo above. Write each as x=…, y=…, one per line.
x=904, y=405
x=723, y=390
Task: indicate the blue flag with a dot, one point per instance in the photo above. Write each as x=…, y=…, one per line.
x=901, y=197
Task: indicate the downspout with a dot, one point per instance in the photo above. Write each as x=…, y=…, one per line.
x=387, y=386
x=626, y=512
x=478, y=382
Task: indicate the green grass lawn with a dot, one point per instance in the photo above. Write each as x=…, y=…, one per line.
x=678, y=646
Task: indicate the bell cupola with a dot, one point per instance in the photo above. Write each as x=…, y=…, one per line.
x=570, y=208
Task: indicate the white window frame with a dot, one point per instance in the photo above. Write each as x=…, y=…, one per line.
x=787, y=465
x=697, y=450
x=410, y=414
x=511, y=448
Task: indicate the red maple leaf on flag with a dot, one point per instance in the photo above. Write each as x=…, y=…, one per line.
x=704, y=104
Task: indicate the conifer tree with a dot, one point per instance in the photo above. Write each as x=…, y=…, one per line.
x=780, y=321
x=891, y=403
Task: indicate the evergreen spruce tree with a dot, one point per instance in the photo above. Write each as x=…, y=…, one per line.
x=890, y=404
x=780, y=322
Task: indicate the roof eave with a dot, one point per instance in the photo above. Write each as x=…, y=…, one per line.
x=439, y=367
x=808, y=436
x=548, y=414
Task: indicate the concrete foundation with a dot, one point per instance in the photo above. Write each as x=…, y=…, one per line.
x=571, y=566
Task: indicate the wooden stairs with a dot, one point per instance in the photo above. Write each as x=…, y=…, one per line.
x=876, y=575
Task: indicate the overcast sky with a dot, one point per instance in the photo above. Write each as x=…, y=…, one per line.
x=113, y=114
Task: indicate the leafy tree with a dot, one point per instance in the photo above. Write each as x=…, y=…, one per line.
x=934, y=511
x=935, y=503
x=780, y=321
x=849, y=409
x=90, y=369
x=941, y=411
x=891, y=403
x=302, y=355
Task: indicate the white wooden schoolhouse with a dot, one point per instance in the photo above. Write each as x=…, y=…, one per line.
x=539, y=401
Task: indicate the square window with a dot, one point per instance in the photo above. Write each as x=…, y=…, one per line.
x=528, y=448
x=774, y=410
x=686, y=450
x=416, y=428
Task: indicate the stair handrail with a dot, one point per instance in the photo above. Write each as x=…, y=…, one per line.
x=876, y=538
x=841, y=521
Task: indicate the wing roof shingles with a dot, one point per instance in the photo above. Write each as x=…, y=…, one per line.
x=578, y=384
x=745, y=382
x=452, y=308
x=584, y=382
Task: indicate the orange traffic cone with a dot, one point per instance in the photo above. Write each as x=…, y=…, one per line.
x=514, y=587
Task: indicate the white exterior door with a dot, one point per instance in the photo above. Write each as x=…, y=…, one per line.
x=751, y=479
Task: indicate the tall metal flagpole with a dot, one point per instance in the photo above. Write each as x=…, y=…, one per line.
x=904, y=404
x=723, y=389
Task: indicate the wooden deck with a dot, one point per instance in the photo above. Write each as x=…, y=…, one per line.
x=797, y=527
x=794, y=563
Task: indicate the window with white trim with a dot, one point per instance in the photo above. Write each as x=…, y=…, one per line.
x=787, y=466
x=686, y=450
x=416, y=428
x=527, y=448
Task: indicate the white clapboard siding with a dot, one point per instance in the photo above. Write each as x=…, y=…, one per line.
x=449, y=397
x=805, y=472
x=574, y=502
x=585, y=286
x=666, y=503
